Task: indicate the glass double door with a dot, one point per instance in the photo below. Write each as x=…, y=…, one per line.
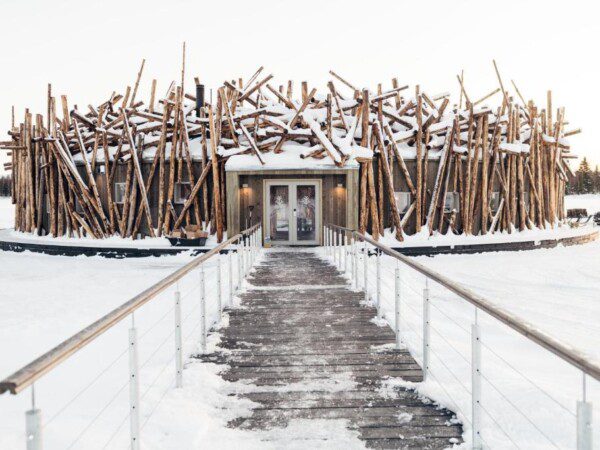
x=293, y=212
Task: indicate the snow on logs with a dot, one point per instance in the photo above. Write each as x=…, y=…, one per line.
x=517, y=149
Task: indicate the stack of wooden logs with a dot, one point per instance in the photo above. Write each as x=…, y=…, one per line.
x=517, y=145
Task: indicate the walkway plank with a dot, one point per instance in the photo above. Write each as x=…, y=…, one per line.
x=311, y=349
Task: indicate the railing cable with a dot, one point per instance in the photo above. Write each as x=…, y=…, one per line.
x=104, y=408
x=539, y=388
x=84, y=389
x=518, y=409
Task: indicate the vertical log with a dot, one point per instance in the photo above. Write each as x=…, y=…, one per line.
x=362, y=227
x=215, y=173
x=372, y=201
x=419, y=176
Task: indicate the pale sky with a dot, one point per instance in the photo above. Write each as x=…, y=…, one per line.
x=88, y=49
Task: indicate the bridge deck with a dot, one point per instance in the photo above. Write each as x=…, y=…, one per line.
x=312, y=351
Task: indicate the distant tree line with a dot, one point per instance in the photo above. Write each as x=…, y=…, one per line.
x=5, y=186
x=586, y=181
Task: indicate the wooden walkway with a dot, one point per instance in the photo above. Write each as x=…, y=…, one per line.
x=311, y=350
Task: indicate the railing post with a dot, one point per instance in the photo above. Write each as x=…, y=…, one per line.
x=243, y=249
x=335, y=249
x=584, y=421
x=202, y=311
x=332, y=243
x=33, y=425
x=397, y=308
x=255, y=245
x=325, y=240
x=426, y=330
x=240, y=272
x=230, y=264
x=178, y=342
x=333, y=246
x=355, y=263
x=366, y=271
x=378, y=260
x=346, y=257
x=338, y=235
x=249, y=257
x=219, y=293
x=134, y=389
x=342, y=232
x=352, y=261
x=476, y=384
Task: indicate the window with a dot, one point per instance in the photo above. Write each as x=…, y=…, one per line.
x=78, y=206
x=452, y=202
x=182, y=192
x=495, y=201
x=402, y=201
x=119, y=193
x=526, y=200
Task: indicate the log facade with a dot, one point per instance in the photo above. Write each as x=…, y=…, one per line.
x=393, y=159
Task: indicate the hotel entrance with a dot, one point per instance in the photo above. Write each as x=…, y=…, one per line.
x=292, y=211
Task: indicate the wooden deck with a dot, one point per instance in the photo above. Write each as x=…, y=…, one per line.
x=312, y=351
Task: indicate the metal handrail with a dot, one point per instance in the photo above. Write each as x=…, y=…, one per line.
x=522, y=327
x=25, y=376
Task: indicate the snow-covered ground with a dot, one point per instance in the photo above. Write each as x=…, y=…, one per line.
x=6, y=213
x=84, y=401
x=589, y=201
x=527, y=392
x=529, y=395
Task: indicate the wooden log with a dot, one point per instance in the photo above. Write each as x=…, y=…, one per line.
x=363, y=198
x=65, y=109
x=473, y=190
x=484, y=177
x=364, y=128
x=252, y=143
x=444, y=158
x=127, y=197
x=215, y=170
x=294, y=120
x=391, y=197
x=139, y=176
x=372, y=201
x=97, y=203
x=173, y=159
x=152, y=96
x=380, y=193
x=400, y=159
x=137, y=83
x=343, y=81
x=419, y=172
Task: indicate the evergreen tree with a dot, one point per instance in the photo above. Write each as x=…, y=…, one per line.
x=585, y=182
x=596, y=181
x=5, y=186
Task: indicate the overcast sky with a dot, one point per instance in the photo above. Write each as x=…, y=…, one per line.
x=88, y=49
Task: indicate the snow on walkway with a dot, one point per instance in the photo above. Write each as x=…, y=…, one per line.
x=308, y=349
x=529, y=394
